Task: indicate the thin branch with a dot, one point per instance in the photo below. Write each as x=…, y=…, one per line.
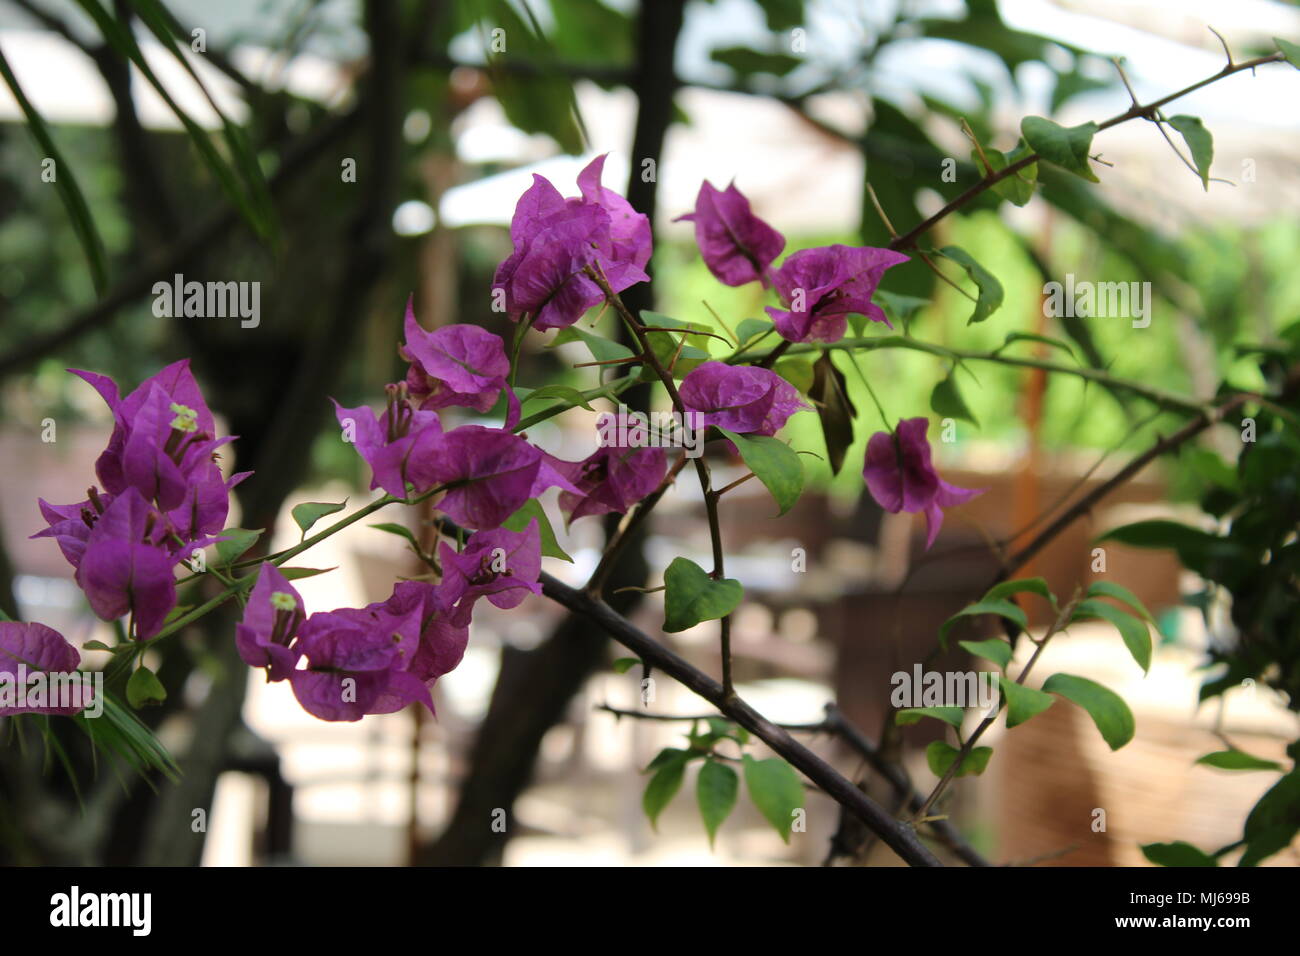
x=897, y=835
x=1058, y=625
x=908, y=239
x=701, y=466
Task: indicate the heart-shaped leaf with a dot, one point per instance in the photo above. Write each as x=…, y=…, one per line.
x=940, y=756
x=309, y=512
x=1023, y=702
x=774, y=463
x=691, y=596
x=1067, y=147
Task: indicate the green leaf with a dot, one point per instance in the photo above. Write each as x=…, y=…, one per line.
x=752, y=328
x=309, y=512
x=745, y=61
x=1199, y=142
x=253, y=203
x=996, y=606
x=691, y=596
x=782, y=15
x=1067, y=147
x=564, y=393
x=402, y=531
x=1274, y=820
x=1023, y=702
x=663, y=786
x=774, y=463
x=144, y=687
x=533, y=509
x=1134, y=631
x=540, y=101
x=798, y=372
x=1106, y=708
x=776, y=791
x=1071, y=84
x=119, y=732
x=902, y=308
x=989, y=297
x=1289, y=50
x=1119, y=593
x=716, y=790
x=940, y=756
x=65, y=183
x=912, y=715
x=625, y=664
x=601, y=348
x=1176, y=854
x=946, y=400
x=1020, y=586
x=295, y=574
x=835, y=411
x=1017, y=188
x=1237, y=760
x=666, y=756
x=680, y=360
x=1199, y=551
x=994, y=649
x=238, y=540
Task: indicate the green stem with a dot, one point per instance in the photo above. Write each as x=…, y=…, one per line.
x=1160, y=397
x=240, y=584
x=870, y=391
x=610, y=389
x=520, y=331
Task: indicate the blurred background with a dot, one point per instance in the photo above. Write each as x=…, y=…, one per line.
x=391, y=141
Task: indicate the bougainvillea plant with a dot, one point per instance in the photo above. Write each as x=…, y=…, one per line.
x=158, y=502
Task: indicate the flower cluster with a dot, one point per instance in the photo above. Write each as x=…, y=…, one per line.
x=356, y=661
x=819, y=288
x=161, y=497
x=556, y=242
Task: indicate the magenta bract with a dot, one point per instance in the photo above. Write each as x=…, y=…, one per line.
x=900, y=477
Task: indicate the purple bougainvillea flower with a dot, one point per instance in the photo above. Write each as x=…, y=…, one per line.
x=740, y=398
x=391, y=443
x=30, y=649
x=126, y=566
x=206, y=505
x=271, y=621
x=442, y=642
x=611, y=479
x=736, y=245
x=493, y=472
x=358, y=661
x=545, y=275
x=454, y=365
x=629, y=230
x=556, y=240
x=900, y=477
x=164, y=449
x=501, y=565
x=822, y=287
x=70, y=525
x=160, y=430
